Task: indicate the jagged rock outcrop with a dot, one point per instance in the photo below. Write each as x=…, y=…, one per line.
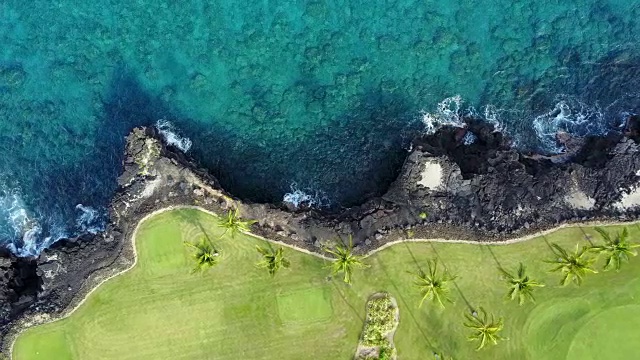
x=484, y=190
x=19, y=285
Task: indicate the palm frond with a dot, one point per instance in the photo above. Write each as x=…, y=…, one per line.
x=603, y=233
x=205, y=255
x=272, y=259
x=345, y=261
x=520, y=286
x=433, y=285
x=625, y=234
x=484, y=328
x=575, y=266
x=233, y=224
x=615, y=250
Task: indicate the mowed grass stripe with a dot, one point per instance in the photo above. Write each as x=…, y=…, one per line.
x=159, y=310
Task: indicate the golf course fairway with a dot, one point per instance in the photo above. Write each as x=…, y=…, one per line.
x=160, y=310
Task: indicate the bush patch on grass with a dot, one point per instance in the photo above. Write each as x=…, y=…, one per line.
x=379, y=327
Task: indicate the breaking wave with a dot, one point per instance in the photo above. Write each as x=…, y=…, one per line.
x=307, y=198
x=572, y=116
x=89, y=220
x=569, y=115
x=29, y=232
x=171, y=136
x=17, y=223
x=448, y=113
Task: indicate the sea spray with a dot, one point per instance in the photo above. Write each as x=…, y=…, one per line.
x=448, y=113
x=492, y=115
x=569, y=115
x=307, y=198
x=171, y=135
x=572, y=116
x=89, y=220
x=27, y=233
x=17, y=223
x=39, y=235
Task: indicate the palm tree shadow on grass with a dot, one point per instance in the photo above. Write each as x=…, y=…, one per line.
x=415, y=261
x=587, y=237
x=546, y=241
x=331, y=278
x=455, y=283
x=407, y=307
x=344, y=298
x=493, y=255
x=193, y=219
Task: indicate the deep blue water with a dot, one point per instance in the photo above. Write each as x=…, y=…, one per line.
x=315, y=98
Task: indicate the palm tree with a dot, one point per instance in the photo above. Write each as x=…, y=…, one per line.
x=520, y=286
x=616, y=250
x=345, y=260
x=485, y=330
x=272, y=259
x=233, y=224
x=434, y=285
x=574, y=266
x=205, y=254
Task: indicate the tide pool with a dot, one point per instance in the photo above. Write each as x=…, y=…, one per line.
x=304, y=98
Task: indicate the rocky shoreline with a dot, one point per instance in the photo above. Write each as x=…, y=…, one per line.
x=480, y=191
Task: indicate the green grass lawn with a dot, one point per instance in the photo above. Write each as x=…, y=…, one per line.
x=159, y=310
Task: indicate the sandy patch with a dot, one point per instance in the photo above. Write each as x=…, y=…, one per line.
x=150, y=188
x=629, y=200
x=579, y=200
x=431, y=176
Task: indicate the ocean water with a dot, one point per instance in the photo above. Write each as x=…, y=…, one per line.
x=314, y=101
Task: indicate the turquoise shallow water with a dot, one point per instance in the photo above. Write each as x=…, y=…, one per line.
x=321, y=97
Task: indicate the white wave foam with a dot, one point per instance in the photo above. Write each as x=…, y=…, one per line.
x=448, y=113
x=170, y=135
x=299, y=198
x=491, y=114
x=30, y=242
x=86, y=222
x=26, y=233
x=569, y=115
x=493, y=117
x=18, y=223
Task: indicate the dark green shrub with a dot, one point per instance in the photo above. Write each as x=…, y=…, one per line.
x=385, y=353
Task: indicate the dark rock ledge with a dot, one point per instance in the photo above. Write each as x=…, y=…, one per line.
x=483, y=191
